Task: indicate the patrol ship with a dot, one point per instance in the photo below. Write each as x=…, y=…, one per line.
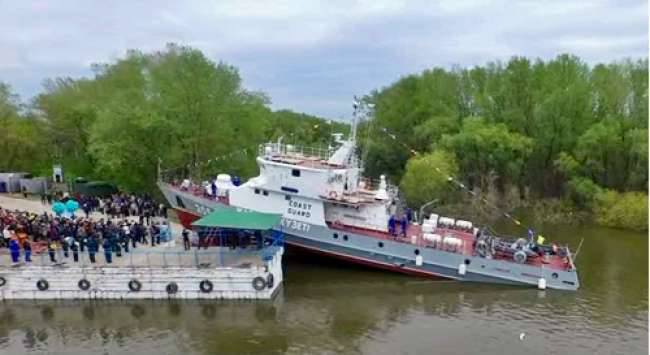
x=329, y=208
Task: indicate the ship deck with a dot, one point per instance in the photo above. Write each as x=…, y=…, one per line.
x=414, y=236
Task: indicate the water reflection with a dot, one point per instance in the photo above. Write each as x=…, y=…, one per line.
x=333, y=308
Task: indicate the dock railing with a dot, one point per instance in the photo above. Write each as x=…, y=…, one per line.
x=212, y=257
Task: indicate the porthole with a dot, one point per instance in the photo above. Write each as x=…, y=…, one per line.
x=336, y=236
x=467, y=261
x=380, y=244
x=555, y=275
x=265, y=193
x=345, y=237
x=257, y=191
x=416, y=251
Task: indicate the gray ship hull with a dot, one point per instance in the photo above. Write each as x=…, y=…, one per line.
x=397, y=256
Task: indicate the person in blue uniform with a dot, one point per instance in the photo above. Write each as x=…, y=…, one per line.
x=391, y=225
x=93, y=247
x=27, y=247
x=14, y=249
x=108, y=250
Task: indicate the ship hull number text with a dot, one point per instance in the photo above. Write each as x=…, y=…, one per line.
x=295, y=225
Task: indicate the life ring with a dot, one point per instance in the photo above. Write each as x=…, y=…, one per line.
x=135, y=285
x=42, y=284
x=3, y=281
x=172, y=288
x=519, y=256
x=259, y=283
x=333, y=195
x=83, y=284
x=270, y=280
x=206, y=286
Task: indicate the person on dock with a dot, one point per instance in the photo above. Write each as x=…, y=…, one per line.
x=93, y=248
x=51, y=250
x=75, y=251
x=64, y=246
x=27, y=247
x=186, y=239
x=14, y=249
x=108, y=251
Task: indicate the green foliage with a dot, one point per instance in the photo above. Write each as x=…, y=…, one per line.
x=622, y=210
x=577, y=120
x=484, y=148
x=174, y=104
x=422, y=182
x=583, y=191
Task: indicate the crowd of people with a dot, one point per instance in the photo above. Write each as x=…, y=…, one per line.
x=120, y=205
x=66, y=237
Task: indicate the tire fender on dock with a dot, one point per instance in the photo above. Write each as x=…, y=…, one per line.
x=259, y=283
x=206, y=286
x=83, y=284
x=135, y=285
x=42, y=284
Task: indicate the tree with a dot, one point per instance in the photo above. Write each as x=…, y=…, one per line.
x=483, y=149
x=426, y=175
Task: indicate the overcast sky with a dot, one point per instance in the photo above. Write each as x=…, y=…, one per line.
x=313, y=56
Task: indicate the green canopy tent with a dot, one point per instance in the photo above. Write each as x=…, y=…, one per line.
x=240, y=220
x=231, y=218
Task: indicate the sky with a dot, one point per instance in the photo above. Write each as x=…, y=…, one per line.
x=313, y=56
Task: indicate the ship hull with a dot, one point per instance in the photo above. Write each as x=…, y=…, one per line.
x=390, y=255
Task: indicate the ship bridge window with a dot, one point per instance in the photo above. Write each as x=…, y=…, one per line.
x=289, y=189
x=295, y=172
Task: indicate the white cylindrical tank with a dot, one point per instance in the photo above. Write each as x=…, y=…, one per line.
x=446, y=221
x=427, y=228
x=433, y=218
x=464, y=224
x=418, y=260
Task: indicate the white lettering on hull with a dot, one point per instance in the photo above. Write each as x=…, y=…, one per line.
x=295, y=225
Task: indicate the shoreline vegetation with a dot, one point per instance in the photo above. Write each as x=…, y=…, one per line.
x=561, y=139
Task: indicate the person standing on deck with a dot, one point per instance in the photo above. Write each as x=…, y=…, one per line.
x=404, y=223
x=391, y=225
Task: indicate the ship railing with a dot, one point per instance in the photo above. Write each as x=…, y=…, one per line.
x=139, y=258
x=293, y=151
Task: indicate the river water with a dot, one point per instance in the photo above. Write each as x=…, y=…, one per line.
x=332, y=308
